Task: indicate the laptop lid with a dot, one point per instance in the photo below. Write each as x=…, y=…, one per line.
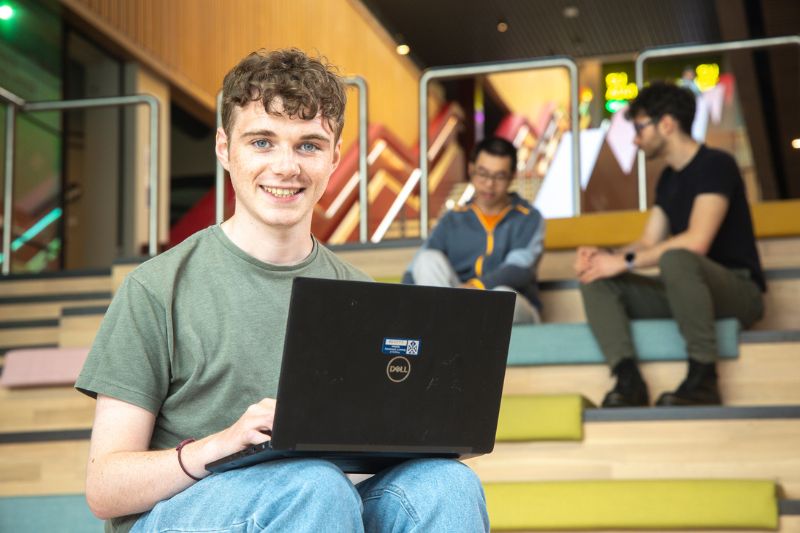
x=374, y=367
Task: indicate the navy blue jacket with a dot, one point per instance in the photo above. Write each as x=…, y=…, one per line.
x=506, y=254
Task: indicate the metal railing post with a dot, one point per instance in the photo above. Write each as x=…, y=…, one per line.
x=8, y=185
x=363, y=140
x=460, y=71
x=694, y=49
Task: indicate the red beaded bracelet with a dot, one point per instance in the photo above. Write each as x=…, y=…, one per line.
x=180, y=462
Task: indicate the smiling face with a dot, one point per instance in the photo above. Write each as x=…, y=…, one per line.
x=279, y=165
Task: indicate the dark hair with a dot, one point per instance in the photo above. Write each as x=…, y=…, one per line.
x=306, y=86
x=496, y=146
x=663, y=98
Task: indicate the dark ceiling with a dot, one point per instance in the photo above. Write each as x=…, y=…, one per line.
x=452, y=32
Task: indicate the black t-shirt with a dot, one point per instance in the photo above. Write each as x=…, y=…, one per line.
x=713, y=171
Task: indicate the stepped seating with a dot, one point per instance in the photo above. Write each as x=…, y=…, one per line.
x=44, y=433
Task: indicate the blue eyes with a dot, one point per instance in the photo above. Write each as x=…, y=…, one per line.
x=263, y=144
x=308, y=147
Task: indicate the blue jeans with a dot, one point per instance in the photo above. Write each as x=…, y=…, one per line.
x=311, y=495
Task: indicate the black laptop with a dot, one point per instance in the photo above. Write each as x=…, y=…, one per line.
x=375, y=373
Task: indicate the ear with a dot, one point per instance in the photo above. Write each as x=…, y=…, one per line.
x=222, y=149
x=337, y=155
x=667, y=124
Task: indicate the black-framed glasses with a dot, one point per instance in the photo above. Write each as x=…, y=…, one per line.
x=485, y=175
x=640, y=126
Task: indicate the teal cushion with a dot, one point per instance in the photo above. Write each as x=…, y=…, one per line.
x=67, y=513
x=573, y=343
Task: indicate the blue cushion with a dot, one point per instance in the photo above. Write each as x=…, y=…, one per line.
x=573, y=343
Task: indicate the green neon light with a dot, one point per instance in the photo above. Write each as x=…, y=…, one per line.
x=612, y=106
x=35, y=230
x=6, y=12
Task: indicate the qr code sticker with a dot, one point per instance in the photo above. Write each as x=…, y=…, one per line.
x=412, y=348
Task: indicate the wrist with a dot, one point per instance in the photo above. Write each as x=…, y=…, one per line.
x=630, y=261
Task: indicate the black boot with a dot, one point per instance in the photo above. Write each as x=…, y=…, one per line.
x=630, y=390
x=699, y=387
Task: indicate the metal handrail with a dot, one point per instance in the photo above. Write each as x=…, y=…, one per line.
x=363, y=123
x=693, y=49
x=14, y=102
x=460, y=71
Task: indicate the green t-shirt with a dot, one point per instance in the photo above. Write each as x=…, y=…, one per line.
x=195, y=335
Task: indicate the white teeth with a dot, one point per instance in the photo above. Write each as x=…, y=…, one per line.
x=281, y=193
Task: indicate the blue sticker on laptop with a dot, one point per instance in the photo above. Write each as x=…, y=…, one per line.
x=401, y=346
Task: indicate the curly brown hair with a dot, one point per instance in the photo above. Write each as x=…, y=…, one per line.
x=306, y=86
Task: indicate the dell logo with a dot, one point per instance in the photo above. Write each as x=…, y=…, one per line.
x=398, y=369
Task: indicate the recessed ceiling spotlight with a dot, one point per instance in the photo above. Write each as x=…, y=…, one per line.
x=403, y=49
x=502, y=26
x=571, y=12
x=796, y=144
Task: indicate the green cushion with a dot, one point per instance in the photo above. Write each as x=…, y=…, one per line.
x=639, y=504
x=67, y=513
x=541, y=417
x=574, y=343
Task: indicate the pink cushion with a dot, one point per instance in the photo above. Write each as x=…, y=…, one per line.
x=42, y=367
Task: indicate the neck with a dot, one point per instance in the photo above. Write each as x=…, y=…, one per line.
x=494, y=209
x=681, y=152
x=277, y=246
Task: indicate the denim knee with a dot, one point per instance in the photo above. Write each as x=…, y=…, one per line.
x=323, y=481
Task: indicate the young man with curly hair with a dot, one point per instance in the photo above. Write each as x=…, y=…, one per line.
x=191, y=346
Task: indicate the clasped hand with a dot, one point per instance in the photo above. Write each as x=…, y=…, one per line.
x=592, y=263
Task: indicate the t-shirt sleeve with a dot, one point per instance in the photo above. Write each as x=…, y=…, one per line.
x=129, y=359
x=721, y=176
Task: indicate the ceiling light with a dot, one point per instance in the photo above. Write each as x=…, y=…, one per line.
x=796, y=144
x=6, y=12
x=403, y=49
x=502, y=26
x=571, y=12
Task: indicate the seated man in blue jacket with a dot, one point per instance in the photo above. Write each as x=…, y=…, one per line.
x=492, y=242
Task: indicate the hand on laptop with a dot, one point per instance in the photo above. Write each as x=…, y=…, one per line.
x=253, y=427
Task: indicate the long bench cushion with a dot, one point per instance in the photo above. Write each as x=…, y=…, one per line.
x=633, y=504
x=61, y=513
x=573, y=343
x=39, y=367
x=540, y=417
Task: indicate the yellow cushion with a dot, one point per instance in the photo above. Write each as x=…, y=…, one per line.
x=632, y=504
x=545, y=417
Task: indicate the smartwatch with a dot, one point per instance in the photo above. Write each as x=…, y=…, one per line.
x=630, y=259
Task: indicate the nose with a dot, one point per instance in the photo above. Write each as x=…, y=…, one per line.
x=285, y=162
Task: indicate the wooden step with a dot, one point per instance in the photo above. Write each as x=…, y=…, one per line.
x=56, y=283
x=38, y=468
x=764, y=374
x=25, y=309
x=44, y=409
x=741, y=448
x=21, y=334
x=79, y=325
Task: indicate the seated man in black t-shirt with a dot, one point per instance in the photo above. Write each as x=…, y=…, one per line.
x=699, y=234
